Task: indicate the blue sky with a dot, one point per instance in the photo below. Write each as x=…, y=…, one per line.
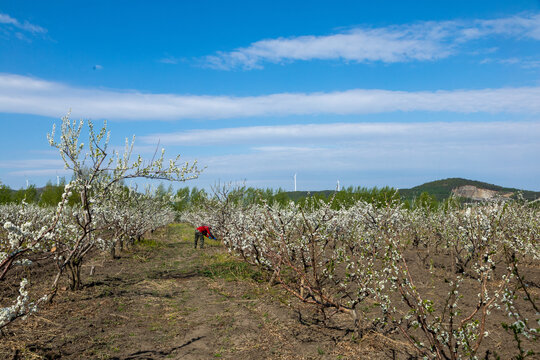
x=368, y=93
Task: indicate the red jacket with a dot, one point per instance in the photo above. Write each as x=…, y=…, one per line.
x=205, y=230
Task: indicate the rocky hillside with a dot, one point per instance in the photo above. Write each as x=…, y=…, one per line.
x=469, y=189
x=474, y=193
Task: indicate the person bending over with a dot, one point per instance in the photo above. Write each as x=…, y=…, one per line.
x=201, y=232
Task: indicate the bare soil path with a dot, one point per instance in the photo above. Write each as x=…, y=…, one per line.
x=165, y=300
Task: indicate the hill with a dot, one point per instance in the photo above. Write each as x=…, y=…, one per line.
x=442, y=189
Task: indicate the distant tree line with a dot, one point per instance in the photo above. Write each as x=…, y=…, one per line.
x=187, y=197
x=194, y=197
x=49, y=195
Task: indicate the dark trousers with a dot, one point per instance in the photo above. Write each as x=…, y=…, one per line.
x=199, y=236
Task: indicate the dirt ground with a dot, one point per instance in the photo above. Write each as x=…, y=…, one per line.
x=165, y=300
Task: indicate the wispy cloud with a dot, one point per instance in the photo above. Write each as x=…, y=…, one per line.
x=21, y=94
x=347, y=133
x=371, y=153
x=288, y=149
x=524, y=63
x=395, y=158
x=11, y=24
x=518, y=26
x=422, y=41
x=41, y=172
x=34, y=167
x=170, y=60
x=32, y=163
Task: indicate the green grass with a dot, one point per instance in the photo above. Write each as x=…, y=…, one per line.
x=224, y=266
x=210, y=264
x=180, y=232
x=149, y=244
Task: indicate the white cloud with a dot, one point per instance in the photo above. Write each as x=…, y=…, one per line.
x=26, y=95
x=327, y=135
x=32, y=163
x=422, y=41
x=34, y=167
x=360, y=45
x=367, y=154
x=7, y=20
x=287, y=148
x=169, y=60
x=524, y=63
x=41, y=172
x=520, y=26
x=388, y=159
x=376, y=153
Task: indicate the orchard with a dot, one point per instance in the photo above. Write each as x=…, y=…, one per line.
x=453, y=281
x=449, y=281
x=108, y=214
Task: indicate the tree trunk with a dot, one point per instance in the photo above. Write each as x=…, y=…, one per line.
x=75, y=274
x=113, y=251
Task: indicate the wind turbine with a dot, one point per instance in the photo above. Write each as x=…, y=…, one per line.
x=294, y=181
x=338, y=188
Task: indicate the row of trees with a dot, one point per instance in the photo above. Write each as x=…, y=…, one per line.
x=240, y=194
x=49, y=195
x=437, y=277
x=95, y=209
x=187, y=197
